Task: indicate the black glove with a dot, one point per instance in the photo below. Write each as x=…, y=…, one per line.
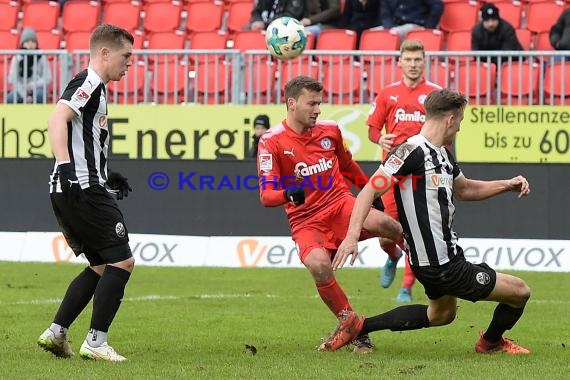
x=69, y=183
x=378, y=204
x=295, y=195
x=117, y=182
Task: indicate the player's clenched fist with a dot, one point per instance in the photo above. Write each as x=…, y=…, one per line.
x=296, y=196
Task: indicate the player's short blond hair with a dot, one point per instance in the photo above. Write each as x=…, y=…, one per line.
x=412, y=46
x=110, y=36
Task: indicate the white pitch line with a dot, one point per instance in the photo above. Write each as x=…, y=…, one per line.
x=157, y=297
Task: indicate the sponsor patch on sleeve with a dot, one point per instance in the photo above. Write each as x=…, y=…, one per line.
x=265, y=161
x=80, y=97
x=393, y=164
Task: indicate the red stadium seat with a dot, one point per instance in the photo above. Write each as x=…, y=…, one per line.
x=139, y=39
x=9, y=19
x=9, y=40
x=196, y=22
x=380, y=76
x=510, y=12
x=342, y=83
x=123, y=14
x=476, y=81
x=525, y=38
x=249, y=40
x=207, y=41
x=287, y=70
x=337, y=40
x=80, y=16
x=459, y=16
x=378, y=40
x=541, y=16
x=41, y=15
x=168, y=82
x=519, y=82
x=459, y=41
x=432, y=39
x=439, y=74
x=557, y=84
x=162, y=17
x=239, y=14
x=166, y=41
x=49, y=40
x=543, y=42
x=212, y=83
x=77, y=41
x=259, y=79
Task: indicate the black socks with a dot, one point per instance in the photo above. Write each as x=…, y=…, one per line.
x=108, y=296
x=410, y=317
x=78, y=295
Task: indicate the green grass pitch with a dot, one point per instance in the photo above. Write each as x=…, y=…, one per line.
x=195, y=323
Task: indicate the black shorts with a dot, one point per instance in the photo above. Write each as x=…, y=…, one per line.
x=93, y=226
x=458, y=278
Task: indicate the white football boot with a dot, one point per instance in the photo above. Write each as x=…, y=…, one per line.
x=103, y=352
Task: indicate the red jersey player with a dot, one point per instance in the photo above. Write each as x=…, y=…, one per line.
x=302, y=164
x=400, y=109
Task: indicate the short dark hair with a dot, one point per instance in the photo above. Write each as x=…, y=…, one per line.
x=295, y=86
x=439, y=102
x=109, y=35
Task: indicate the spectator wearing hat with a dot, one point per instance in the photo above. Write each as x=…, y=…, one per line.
x=494, y=33
x=260, y=126
x=29, y=74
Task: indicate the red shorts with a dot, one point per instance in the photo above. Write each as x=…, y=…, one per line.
x=326, y=230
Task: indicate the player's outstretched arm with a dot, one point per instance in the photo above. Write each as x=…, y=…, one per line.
x=466, y=189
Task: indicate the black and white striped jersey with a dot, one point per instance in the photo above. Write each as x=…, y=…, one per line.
x=88, y=136
x=424, y=196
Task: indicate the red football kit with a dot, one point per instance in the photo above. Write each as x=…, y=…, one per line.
x=318, y=161
x=401, y=109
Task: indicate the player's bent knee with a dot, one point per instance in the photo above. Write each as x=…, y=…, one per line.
x=442, y=317
x=522, y=292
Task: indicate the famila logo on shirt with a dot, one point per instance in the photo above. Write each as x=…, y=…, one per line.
x=401, y=115
x=306, y=170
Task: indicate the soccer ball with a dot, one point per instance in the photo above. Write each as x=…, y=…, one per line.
x=286, y=38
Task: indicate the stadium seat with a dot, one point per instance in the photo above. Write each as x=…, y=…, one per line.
x=138, y=36
x=459, y=16
x=249, y=40
x=40, y=15
x=287, y=70
x=207, y=41
x=77, y=41
x=510, y=12
x=239, y=14
x=9, y=39
x=378, y=40
x=166, y=41
x=130, y=89
x=476, y=81
x=439, y=74
x=432, y=39
x=162, y=17
x=9, y=19
x=557, y=84
x=342, y=83
x=168, y=82
x=459, y=41
x=123, y=14
x=195, y=20
x=212, y=83
x=525, y=38
x=543, y=42
x=337, y=40
x=379, y=76
x=80, y=16
x=49, y=40
x=259, y=78
x=541, y=16
x=519, y=83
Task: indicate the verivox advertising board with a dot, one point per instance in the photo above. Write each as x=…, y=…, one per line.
x=488, y=134
x=278, y=252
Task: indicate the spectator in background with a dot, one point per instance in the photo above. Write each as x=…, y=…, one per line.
x=494, y=33
x=29, y=73
x=266, y=11
x=260, y=126
x=560, y=32
x=360, y=15
x=323, y=14
x=401, y=16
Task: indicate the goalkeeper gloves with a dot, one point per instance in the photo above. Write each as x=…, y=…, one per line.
x=117, y=182
x=295, y=195
x=377, y=204
x=69, y=183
